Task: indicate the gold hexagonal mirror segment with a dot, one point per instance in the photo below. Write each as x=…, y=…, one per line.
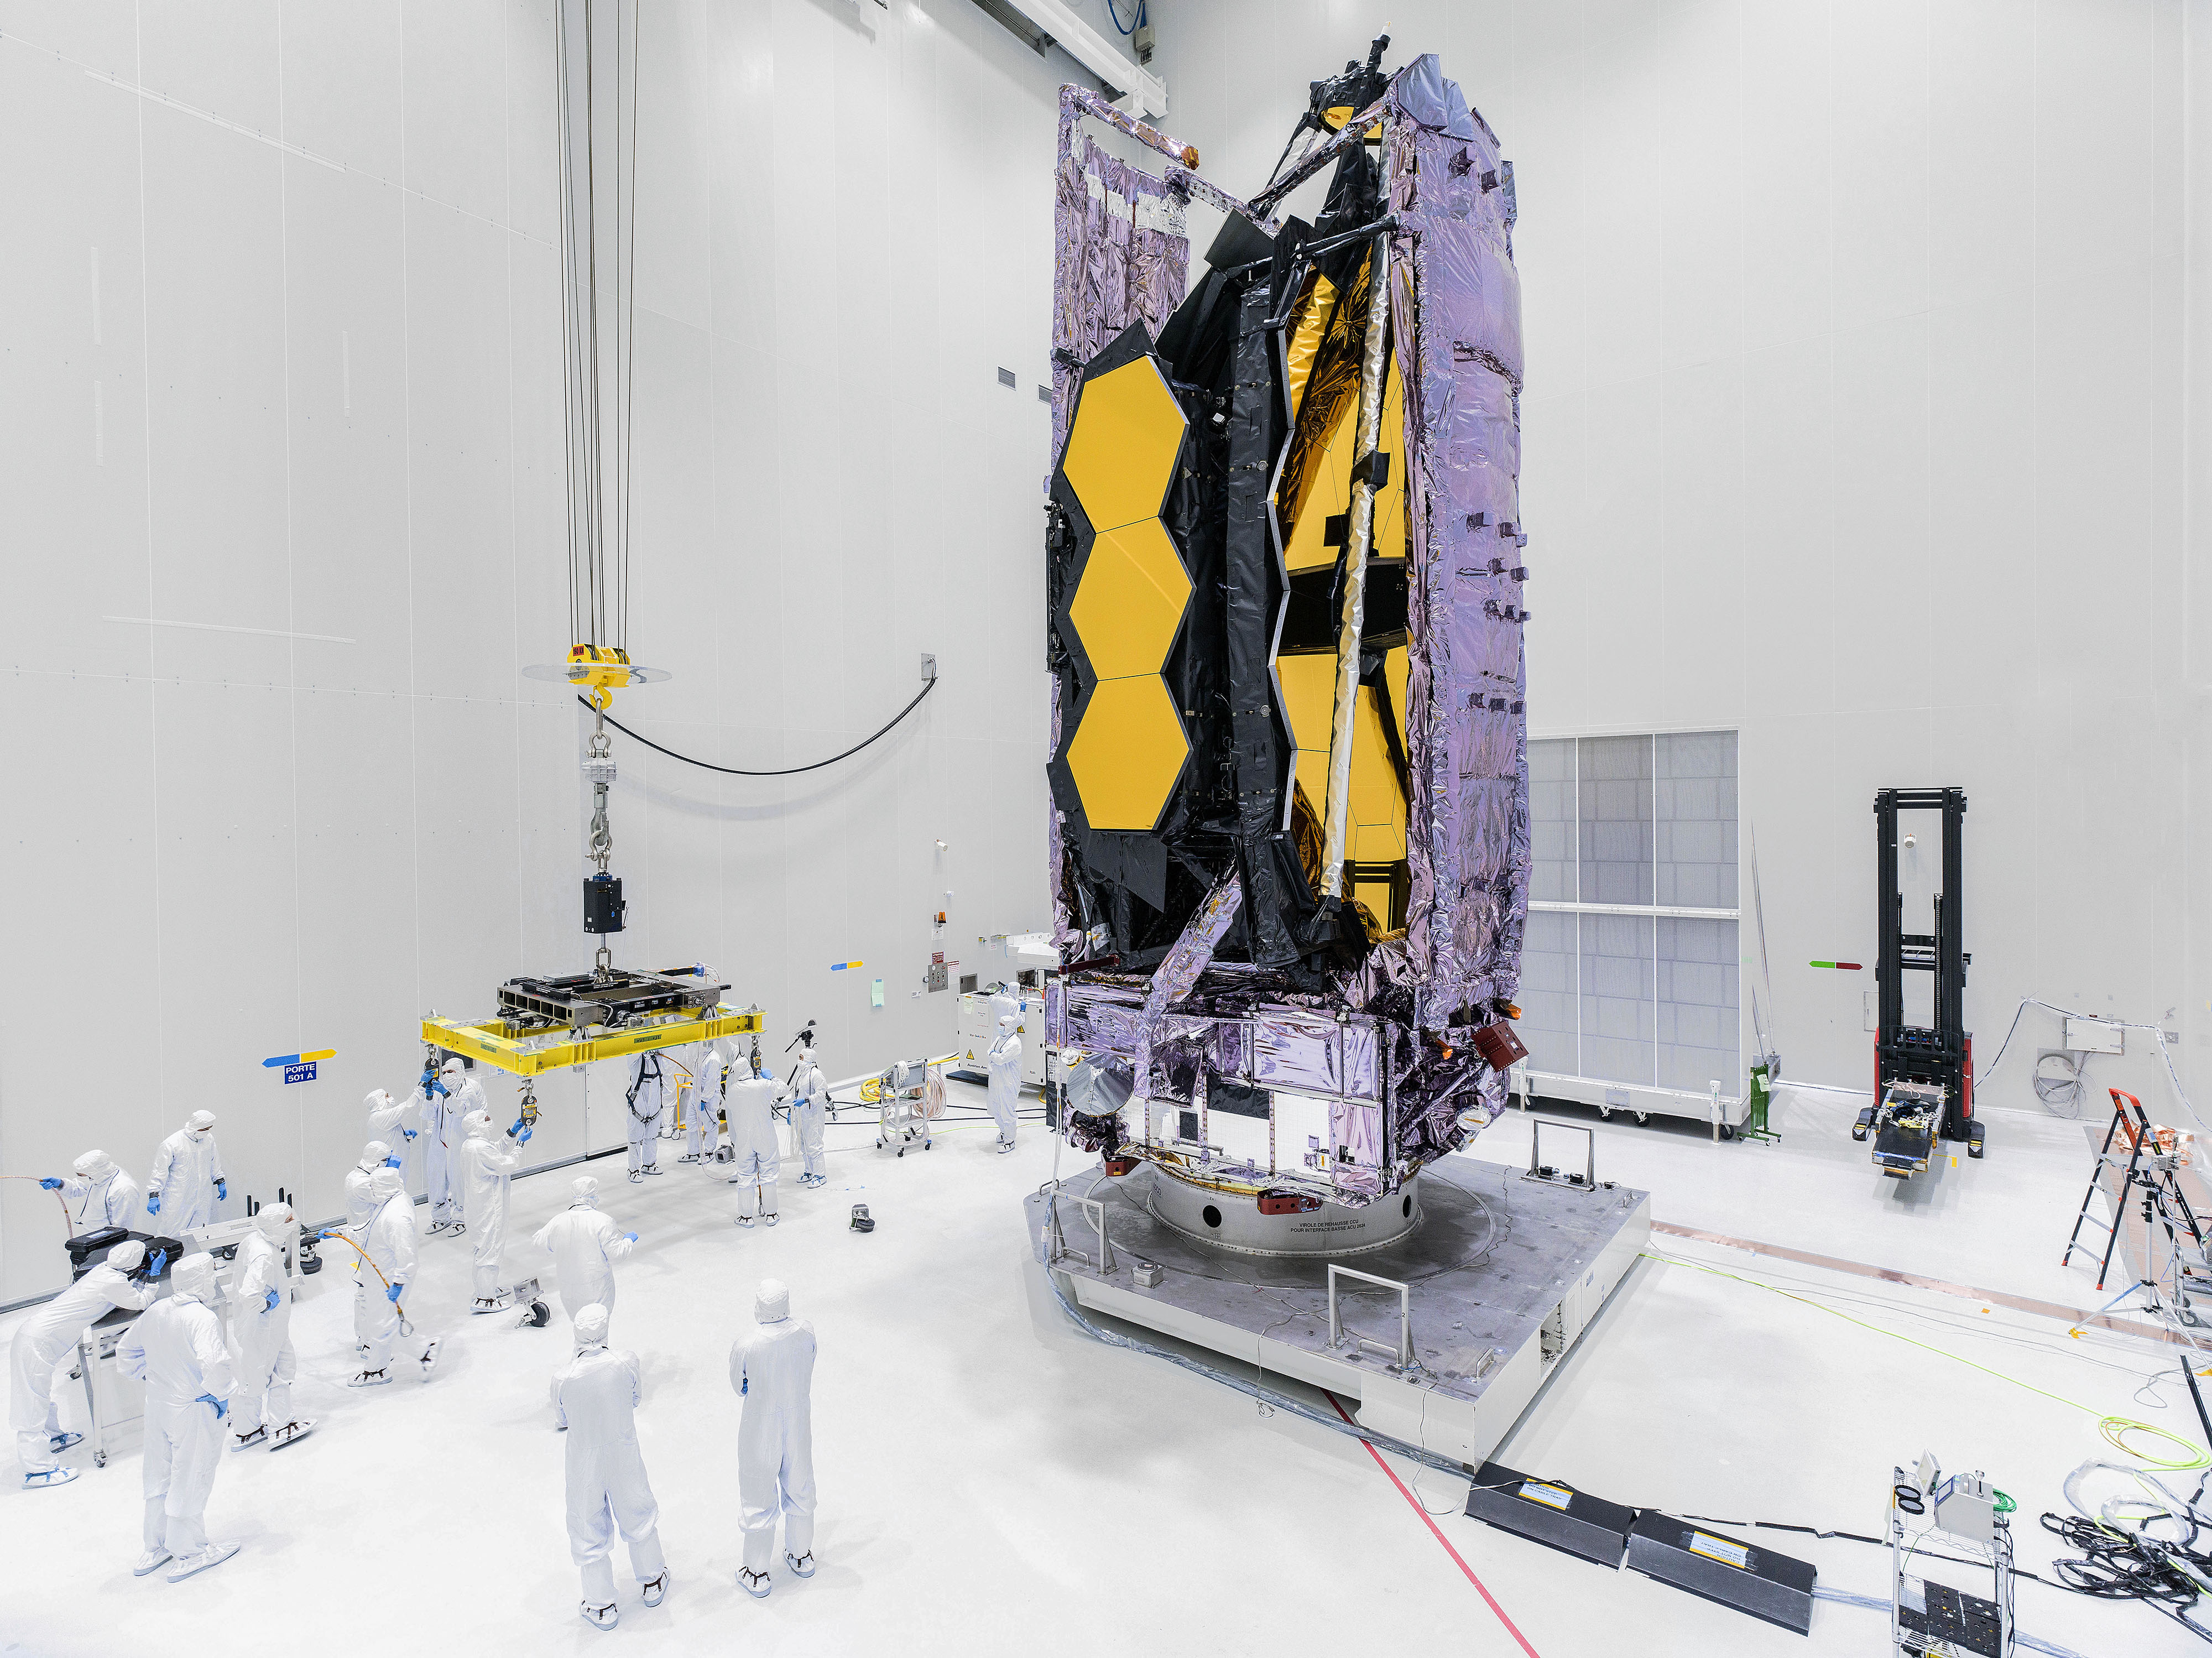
x=1130, y=600
x=1121, y=448
x=1127, y=752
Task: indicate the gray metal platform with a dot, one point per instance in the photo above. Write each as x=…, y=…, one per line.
x=1503, y=1275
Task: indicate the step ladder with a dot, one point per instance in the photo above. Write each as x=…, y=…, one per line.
x=2150, y=1175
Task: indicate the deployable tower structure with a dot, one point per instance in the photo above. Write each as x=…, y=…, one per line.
x=1290, y=842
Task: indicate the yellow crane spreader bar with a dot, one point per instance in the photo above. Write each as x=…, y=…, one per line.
x=539, y=1052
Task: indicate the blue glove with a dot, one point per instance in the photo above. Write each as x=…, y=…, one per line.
x=50, y=1184
x=154, y=1267
x=392, y=1292
x=393, y=1162
x=269, y=1302
x=745, y=1384
x=222, y=1190
x=222, y=1410
x=523, y=1139
x=632, y=1237
x=152, y=1203
x=409, y=1132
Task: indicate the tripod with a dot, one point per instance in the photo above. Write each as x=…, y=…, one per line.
x=2152, y=1176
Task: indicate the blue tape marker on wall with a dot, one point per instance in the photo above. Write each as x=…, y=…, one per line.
x=298, y=1067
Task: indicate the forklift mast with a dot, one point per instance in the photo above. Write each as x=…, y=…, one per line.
x=1942, y=1056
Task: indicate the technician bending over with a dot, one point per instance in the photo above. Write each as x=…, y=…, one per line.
x=384, y=1266
x=752, y=1106
x=651, y=1081
x=261, y=1358
x=810, y=1110
x=1006, y=1091
x=595, y=1398
x=99, y=1194
x=585, y=1245
x=486, y=1164
x=45, y=1338
x=188, y=1181
x=176, y=1349
x=772, y=1367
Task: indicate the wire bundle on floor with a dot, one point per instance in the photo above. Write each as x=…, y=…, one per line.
x=2117, y=1565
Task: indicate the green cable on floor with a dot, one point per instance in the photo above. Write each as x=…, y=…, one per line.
x=2115, y=1428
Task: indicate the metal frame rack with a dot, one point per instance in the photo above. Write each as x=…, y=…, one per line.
x=1923, y=1083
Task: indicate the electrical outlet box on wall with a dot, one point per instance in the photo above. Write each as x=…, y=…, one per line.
x=2095, y=1036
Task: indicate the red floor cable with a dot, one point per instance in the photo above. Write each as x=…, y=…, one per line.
x=1426, y=1520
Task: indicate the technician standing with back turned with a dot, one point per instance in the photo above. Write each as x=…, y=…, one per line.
x=176, y=1348
x=772, y=1368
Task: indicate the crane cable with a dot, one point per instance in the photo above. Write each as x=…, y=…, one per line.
x=787, y=771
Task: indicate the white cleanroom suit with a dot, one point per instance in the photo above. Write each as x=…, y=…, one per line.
x=702, y=1129
x=393, y=1121
x=487, y=1158
x=810, y=1111
x=100, y=1194
x=176, y=1348
x=188, y=1181
x=358, y=1201
x=750, y=1102
x=585, y=1245
x=652, y=1086
x=44, y=1339
x=384, y=1261
x=262, y=1361
x=772, y=1366
x=1005, y=1090
x=444, y=1109
x=595, y=1397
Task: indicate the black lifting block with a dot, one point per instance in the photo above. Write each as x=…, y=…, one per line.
x=603, y=904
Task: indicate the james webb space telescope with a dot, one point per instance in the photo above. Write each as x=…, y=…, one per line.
x=1290, y=847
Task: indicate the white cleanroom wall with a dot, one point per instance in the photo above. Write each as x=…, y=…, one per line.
x=280, y=435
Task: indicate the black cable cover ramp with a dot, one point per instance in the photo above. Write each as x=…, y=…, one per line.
x=787, y=771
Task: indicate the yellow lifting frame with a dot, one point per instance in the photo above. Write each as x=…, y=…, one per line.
x=535, y=1054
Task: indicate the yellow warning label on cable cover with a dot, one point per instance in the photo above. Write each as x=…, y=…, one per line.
x=1720, y=1549
x=1551, y=1497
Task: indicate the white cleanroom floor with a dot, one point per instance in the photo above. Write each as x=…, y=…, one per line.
x=992, y=1479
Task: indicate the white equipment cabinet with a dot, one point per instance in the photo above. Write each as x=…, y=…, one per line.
x=978, y=1027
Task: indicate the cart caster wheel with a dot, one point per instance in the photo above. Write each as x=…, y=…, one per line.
x=1605, y=1112
x=902, y=1150
x=1727, y=1133
x=99, y=1458
x=1643, y=1116
x=2190, y=1319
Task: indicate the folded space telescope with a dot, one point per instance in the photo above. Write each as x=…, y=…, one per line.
x=1290, y=842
